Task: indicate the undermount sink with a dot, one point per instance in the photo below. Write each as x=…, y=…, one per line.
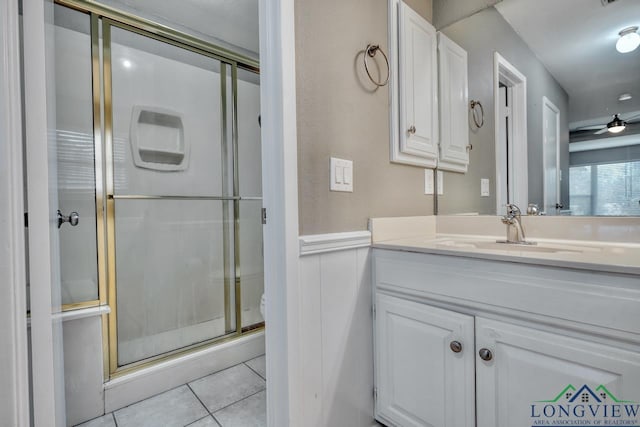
x=511, y=247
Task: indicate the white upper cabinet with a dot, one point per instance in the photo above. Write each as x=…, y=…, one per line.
x=414, y=112
x=454, y=101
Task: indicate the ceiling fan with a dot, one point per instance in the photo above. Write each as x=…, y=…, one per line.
x=616, y=125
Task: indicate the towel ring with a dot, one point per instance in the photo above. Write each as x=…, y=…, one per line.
x=473, y=104
x=371, y=51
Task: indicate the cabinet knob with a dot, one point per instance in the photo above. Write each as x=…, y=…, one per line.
x=455, y=346
x=485, y=354
x=412, y=130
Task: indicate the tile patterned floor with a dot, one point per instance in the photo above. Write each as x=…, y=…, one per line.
x=235, y=397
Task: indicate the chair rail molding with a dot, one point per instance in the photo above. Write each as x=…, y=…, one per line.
x=320, y=243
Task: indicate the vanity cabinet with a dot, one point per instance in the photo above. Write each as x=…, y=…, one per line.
x=424, y=364
x=528, y=366
x=454, y=103
x=528, y=336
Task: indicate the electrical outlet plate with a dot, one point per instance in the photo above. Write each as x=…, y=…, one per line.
x=428, y=182
x=484, y=187
x=440, y=183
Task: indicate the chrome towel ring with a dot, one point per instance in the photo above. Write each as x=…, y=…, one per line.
x=371, y=51
x=474, y=113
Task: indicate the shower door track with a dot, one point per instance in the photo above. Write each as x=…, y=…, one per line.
x=105, y=197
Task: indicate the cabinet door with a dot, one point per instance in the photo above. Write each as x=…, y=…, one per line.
x=420, y=381
x=418, y=86
x=535, y=377
x=454, y=101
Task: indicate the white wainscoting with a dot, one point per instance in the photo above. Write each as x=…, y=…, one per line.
x=336, y=343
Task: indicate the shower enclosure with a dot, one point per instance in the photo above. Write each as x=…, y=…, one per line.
x=157, y=145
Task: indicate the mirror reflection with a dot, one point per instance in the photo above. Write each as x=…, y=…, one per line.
x=560, y=86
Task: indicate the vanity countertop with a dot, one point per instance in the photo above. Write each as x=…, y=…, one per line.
x=610, y=257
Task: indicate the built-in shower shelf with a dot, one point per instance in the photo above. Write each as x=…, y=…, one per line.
x=157, y=139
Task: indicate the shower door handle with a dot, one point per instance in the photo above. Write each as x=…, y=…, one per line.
x=72, y=219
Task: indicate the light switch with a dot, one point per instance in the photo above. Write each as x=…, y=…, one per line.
x=484, y=187
x=428, y=181
x=341, y=175
x=440, y=183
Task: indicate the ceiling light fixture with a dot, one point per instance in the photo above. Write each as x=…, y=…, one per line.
x=616, y=125
x=629, y=40
x=625, y=97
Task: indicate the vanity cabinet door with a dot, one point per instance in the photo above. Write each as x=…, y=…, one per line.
x=418, y=87
x=529, y=369
x=454, y=102
x=422, y=377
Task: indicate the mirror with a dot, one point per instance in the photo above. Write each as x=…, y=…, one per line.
x=576, y=81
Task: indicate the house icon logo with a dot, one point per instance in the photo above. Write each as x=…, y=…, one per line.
x=585, y=406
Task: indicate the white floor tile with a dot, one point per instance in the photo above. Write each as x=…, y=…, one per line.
x=205, y=422
x=226, y=387
x=177, y=407
x=259, y=365
x=250, y=412
x=104, y=421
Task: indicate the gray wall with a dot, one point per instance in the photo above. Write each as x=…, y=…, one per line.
x=340, y=114
x=609, y=155
x=446, y=12
x=481, y=35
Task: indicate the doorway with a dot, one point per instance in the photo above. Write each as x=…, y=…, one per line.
x=551, y=156
x=510, y=112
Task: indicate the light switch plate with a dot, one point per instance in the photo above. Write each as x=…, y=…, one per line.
x=440, y=183
x=484, y=187
x=341, y=175
x=428, y=181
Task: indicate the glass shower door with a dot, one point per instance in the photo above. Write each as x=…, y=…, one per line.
x=169, y=198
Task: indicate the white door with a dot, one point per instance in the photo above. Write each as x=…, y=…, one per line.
x=418, y=86
x=551, y=156
x=536, y=376
x=454, y=104
x=421, y=377
x=47, y=372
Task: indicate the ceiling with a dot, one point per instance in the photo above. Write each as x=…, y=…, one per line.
x=233, y=22
x=575, y=39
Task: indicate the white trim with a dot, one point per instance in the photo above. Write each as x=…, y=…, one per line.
x=14, y=353
x=320, y=243
x=547, y=103
x=280, y=198
x=602, y=143
x=504, y=71
x=83, y=313
x=43, y=369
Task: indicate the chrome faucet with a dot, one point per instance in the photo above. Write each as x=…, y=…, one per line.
x=513, y=221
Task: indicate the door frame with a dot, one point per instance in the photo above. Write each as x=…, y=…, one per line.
x=504, y=72
x=14, y=376
x=546, y=103
x=280, y=198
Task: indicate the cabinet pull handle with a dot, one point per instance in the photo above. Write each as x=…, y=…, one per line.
x=485, y=354
x=455, y=346
x=412, y=130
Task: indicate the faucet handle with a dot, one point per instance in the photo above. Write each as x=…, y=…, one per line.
x=513, y=209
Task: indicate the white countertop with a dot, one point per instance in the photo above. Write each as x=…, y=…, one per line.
x=610, y=257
